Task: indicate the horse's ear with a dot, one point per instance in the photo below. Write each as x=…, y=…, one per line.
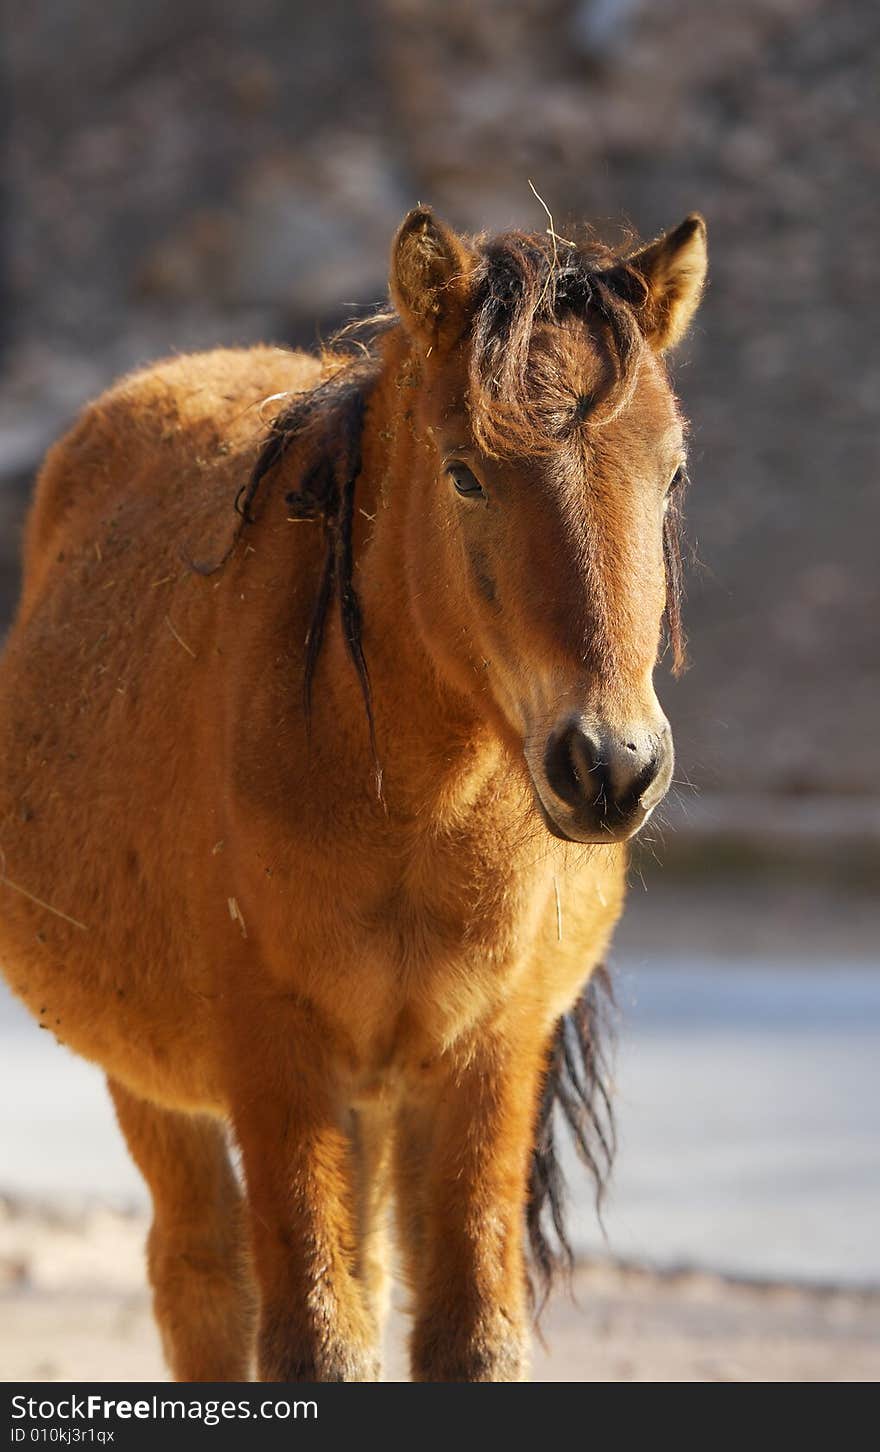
x=430, y=278
x=673, y=270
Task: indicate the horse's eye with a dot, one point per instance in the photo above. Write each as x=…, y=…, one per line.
x=466, y=481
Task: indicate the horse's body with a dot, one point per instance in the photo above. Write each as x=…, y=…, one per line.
x=204, y=889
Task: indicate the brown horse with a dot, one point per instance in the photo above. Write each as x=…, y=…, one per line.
x=313, y=822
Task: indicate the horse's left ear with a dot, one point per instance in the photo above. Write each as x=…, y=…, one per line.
x=430, y=278
x=673, y=270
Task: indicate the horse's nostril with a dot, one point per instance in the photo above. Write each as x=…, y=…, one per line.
x=570, y=762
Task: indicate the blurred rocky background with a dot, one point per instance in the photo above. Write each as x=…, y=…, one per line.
x=180, y=174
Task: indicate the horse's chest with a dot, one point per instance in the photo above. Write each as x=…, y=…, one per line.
x=405, y=943
x=437, y=955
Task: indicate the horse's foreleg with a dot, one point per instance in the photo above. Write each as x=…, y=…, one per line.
x=203, y=1295
x=470, y=1283
x=373, y=1142
x=298, y=1162
x=413, y=1138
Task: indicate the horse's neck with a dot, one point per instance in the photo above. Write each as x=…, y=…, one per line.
x=433, y=746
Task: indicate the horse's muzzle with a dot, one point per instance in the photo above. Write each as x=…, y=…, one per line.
x=600, y=784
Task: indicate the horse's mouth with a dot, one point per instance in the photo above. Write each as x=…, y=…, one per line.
x=552, y=827
x=606, y=837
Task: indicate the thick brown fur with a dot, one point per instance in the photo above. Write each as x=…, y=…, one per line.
x=276, y=844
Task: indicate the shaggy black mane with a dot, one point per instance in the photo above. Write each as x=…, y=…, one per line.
x=326, y=425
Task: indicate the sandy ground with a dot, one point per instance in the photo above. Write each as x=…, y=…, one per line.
x=73, y=1306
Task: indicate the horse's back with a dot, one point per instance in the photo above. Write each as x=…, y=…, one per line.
x=166, y=441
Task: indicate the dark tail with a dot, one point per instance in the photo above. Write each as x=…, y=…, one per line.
x=577, y=1086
